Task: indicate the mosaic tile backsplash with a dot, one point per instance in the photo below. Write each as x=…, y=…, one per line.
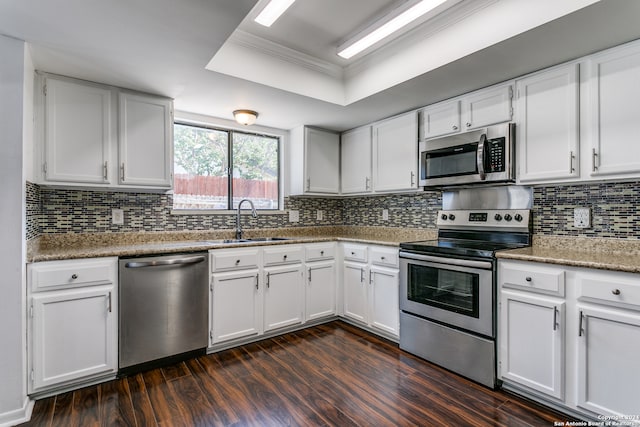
x=614, y=206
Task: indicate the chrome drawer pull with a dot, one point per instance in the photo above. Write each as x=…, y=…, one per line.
x=74, y=276
x=528, y=279
x=616, y=291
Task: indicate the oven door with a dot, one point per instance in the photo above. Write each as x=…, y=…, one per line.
x=455, y=292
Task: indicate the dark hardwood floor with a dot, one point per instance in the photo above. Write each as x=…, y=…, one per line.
x=328, y=375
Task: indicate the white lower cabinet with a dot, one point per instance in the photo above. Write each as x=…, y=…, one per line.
x=532, y=341
x=576, y=349
x=283, y=296
x=72, y=322
x=235, y=305
x=370, y=280
x=320, y=291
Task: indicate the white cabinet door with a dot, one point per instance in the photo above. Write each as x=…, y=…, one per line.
x=395, y=154
x=320, y=290
x=355, y=291
x=356, y=161
x=384, y=291
x=441, y=119
x=73, y=335
x=77, y=132
x=283, y=297
x=146, y=135
x=608, y=349
x=487, y=107
x=531, y=340
x=548, y=128
x=614, y=111
x=322, y=161
x=236, y=301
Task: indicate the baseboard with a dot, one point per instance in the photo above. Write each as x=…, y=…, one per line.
x=18, y=416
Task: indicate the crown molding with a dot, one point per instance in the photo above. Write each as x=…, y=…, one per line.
x=292, y=56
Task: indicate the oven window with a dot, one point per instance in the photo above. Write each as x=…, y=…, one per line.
x=451, y=290
x=460, y=160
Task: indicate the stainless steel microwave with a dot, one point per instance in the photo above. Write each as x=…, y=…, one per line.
x=482, y=156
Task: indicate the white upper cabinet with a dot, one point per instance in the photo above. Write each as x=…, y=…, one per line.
x=356, y=161
x=614, y=111
x=146, y=135
x=80, y=144
x=77, y=131
x=440, y=119
x=487, y=107
x=395, y=153
x=548, y=125
x=314, y=161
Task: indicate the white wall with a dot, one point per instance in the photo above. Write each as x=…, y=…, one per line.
x=14, y=405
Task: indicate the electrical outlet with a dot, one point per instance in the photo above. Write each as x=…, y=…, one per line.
x=319, y=215
x=385, y=214
x=294, y=216
x=582, y=217
x=117, y=216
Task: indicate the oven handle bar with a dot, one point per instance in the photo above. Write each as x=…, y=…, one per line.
x=487, y=265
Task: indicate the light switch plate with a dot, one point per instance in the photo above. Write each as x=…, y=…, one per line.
x=117, y=216
x=582, y=217
x=385, y=214
x=294, y=216
x=319, y=215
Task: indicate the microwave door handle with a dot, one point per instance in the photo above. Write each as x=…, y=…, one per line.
x=480, y=156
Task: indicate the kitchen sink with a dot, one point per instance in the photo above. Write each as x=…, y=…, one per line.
x=256, y=239
x=266, y=239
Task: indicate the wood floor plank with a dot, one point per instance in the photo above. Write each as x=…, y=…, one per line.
x=116, y=406
x=142, y=409
x=328, y=375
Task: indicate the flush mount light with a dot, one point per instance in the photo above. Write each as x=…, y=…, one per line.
x=386, y=26
x=245, y=117
x=272, y=11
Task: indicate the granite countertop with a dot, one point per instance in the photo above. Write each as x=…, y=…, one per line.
x=598, y=253
x=91, y=245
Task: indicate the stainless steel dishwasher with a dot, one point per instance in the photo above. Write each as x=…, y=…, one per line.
x=163, y=309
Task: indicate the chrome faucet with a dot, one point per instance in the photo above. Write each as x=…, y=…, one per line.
x=238, y=224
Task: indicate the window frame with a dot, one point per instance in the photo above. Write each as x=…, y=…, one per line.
x=230, y=130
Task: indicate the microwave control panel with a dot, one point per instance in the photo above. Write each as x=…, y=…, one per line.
x=494, y=161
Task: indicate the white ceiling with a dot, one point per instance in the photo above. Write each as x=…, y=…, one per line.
x=163, y=46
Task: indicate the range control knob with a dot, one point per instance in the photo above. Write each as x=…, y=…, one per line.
x=452, y=217
x=518, y=217
x=498, y=217
x=507, y=217
x=444, y=217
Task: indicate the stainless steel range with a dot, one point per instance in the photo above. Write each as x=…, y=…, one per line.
x=448, y=286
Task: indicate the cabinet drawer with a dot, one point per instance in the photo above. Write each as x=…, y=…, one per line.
x=320, y=251
x=234, y=259
x=44, y=276
x=283, y=254
x=355, y=252
x=610, y=290
x=533, y=278
x=387, y=257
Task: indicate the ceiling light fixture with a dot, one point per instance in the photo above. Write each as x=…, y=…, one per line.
x=385, y=27
x=272, y=11
x=245, y=117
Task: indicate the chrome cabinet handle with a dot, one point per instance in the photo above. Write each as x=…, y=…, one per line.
x=321, y=253
x=370, y=277
x=555, y=318
x=528, y=279
x=257, y=280
x=353, y=253
x=309, y=275
x=361, y=275
x=366, y=183
x=122, y=172
x=284, y=257
x=468, y=124
x=413, y=175
x=571, y=157
x=594, y=160
x=580, y=328
x=105, y=170
x=237, y=262
x=308, y=184
x=454, y=127
x=616, y=291
x=268, y=278
x=74, y=276
x=109, y=302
